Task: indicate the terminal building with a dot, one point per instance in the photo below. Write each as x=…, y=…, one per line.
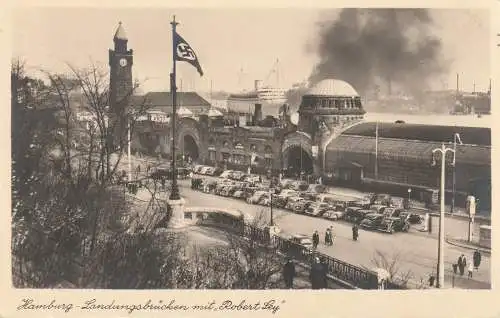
x=331, y=140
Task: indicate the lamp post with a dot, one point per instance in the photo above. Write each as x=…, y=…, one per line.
x=409, y=196
x=443, y=150
x=271, y=190
x=456, y=137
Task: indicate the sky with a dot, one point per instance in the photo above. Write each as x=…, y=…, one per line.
x=226, y=42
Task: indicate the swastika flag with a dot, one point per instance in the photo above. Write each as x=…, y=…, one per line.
x=184, y=52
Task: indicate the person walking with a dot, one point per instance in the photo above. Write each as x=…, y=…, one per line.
x=315, y=239
x=462, y=263
x=355, y=232
x=289, y=273
x=327, y=236
x=477, y=259
x=471, y=268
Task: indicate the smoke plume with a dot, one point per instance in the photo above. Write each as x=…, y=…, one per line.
x=380, y=49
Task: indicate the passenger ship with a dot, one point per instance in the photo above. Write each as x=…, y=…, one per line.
x=271, y=99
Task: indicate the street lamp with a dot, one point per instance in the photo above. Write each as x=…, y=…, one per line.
x=456, y=137
x=271, y=192
x=409, y=195
x=443, y=150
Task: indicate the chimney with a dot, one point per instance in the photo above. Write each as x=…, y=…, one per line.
x=257, y=115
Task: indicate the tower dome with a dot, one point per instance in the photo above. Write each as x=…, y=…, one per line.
x=329, y=104
x=333, y=87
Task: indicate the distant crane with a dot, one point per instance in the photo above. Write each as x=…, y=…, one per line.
x=274, y=70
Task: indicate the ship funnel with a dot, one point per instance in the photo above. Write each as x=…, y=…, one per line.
x=258, y=85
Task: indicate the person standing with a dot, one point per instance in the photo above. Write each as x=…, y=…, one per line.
x=477, y=259
x=289, y=273
x=315, y=239
x=355, y=232
x=462, y=263
x=471, y=268
x=317, y=275
x=327, y=236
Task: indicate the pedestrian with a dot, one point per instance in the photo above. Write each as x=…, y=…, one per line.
x=315, y=239
x=471, y=268
x=355, y=232
x=289, y=273
x=477, y=259
x=317, y=275
x=462, y=263
x=327, y=236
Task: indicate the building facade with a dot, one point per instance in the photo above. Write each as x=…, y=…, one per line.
x=330, y=140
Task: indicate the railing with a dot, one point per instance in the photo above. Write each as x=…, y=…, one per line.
x=348, y=273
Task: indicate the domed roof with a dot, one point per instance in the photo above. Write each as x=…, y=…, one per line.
x=120, y=33
x=332, y=87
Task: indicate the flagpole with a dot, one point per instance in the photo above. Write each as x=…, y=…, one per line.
x=174, y=193
x=376, y=151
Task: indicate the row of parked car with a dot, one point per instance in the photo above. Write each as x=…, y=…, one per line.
x=374, y=212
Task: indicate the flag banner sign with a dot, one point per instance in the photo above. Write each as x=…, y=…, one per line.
x=184, y=52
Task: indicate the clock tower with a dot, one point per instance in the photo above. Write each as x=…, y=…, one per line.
x=120, y=82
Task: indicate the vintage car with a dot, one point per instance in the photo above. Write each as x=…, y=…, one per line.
x=292, y=201
x=371, y=221
x=251, y=178
x=316, y=188
x=382, y=199
x=353, y=215
x=239, y=194
x=378, y=208
x=226, y=174
x=391, y=225
x=256, y=197
x=286, y=183
x=392, y=212
x=363, y=203
x=311, y=196
x=333, y=215
x=299, y=186
x=301, y=206
x=197, y=168
x=237, y=175
x=411, y=218
x=302, y=239
x=318, y=209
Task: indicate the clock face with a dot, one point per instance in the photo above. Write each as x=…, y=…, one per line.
x=123, y=62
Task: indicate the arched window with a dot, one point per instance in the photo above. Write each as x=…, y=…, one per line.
x=253, y=147
x=268, y=149
x=226, y=144
x=211, y=141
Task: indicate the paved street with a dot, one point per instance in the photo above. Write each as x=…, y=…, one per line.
x=417, y=252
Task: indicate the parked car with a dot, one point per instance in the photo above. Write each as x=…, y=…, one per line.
x=291, y=202
x=412, y=218
x=226, y=174
x=265, y=199
x=238, y=175
x=372, y=221
x=256, y=197
x=333, y=215
x=392, y=212
x=316, y=188
x=378, y=208
x=299, y=185
x=204, y=170
x=301, y=206
x=239, y=194
x=363, y=203
x=302, y=239
x=285, y=183
x=309, y=196
x=287, y=193
x=197, y=168
x=251, y=178
x=352, y=214
x=318, y=209
x=392, y=225
x=382, y=199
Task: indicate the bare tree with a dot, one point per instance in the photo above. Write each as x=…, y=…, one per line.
x=392, y=264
